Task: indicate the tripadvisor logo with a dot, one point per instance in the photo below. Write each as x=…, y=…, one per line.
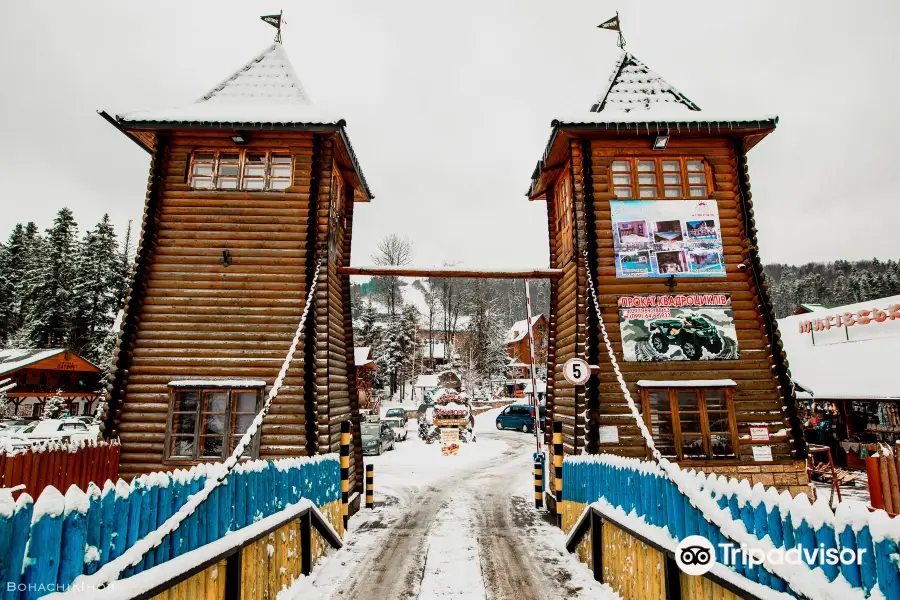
x=695, y=555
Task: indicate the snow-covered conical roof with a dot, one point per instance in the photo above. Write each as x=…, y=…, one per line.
x=634, y=86
x=264, y=90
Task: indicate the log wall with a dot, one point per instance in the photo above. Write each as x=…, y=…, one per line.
x=189, y=316
x=761, y=392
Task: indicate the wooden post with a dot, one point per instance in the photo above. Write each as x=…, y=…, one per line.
x=370, y=486
x=306, y=543
x=538, y=482
x=597, y=545
x=673, y=578
x=345, y=471
x=557, y=469
x=876, y=495
x=233, y=569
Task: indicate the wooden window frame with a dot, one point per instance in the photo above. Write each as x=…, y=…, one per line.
x=227, y=436
x=704, y=419
x=268, y=178
x=564, y=205
x=685, y=186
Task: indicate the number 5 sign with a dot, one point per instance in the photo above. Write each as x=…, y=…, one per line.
x=576, y=371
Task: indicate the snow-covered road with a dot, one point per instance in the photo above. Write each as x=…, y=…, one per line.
x=461, y=527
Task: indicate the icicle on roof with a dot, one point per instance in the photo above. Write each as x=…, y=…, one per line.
x=264, y=90
x=634, y=86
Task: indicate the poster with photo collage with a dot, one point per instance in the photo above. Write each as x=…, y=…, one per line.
x=658, y=238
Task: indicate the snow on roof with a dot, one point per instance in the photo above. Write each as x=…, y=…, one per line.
x=426, y=381
x=264, y=90
x=636, y=95
x=16, y=358
x=361, y=355
x=634, y=86
x=855, y=362
x=231, y=383
x=440, y=350
x=519, y=329
x=653, y=383
x=541, y=387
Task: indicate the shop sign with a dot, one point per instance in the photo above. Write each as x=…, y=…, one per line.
x=762, y=453
x=849, y=319
x=449, y=441
x=669, y=327
x=658, y=238
x=759, y=434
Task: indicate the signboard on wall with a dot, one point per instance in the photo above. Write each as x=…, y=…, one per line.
x=658, y=238
x=664, y=327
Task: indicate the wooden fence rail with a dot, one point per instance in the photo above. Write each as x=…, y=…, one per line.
x=47, y=544
x=60, y=465
x=789, y=523
x=254, y=562
x=611, y=553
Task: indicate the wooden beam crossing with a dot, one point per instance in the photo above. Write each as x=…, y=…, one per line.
x=448, y=272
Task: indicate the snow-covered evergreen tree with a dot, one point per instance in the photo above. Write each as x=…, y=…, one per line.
x=125, y=267
x=54, y=406
x=96, y=292
x=51, y=307
x=6, y=409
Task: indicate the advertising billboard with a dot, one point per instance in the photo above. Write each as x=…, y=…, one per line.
x=658, y=238
x=664, y=327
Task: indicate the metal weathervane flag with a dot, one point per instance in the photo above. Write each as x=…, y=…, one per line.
x=276, y=22
x=273, y=20
x=614, y=25
x=611, y=24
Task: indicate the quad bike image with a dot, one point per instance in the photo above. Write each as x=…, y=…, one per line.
x=691, y=334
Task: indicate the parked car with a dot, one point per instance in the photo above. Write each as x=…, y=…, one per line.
x=377, y=437
x=399, y=428
x=53, y=430
x=396, y=413
x=521, y=417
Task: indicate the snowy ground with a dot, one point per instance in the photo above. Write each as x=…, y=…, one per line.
x=461, y=527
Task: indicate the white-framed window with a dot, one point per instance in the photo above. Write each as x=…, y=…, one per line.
x=206, y=423
x=250, y=170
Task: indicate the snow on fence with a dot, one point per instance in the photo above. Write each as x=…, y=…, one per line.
x=640, y=490
x=46, y=544
x=58, y=464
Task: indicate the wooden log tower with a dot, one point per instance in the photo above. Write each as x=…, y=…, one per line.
x=249, y=187
x=655, y=193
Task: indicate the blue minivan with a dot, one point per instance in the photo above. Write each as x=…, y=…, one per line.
x=521, y=417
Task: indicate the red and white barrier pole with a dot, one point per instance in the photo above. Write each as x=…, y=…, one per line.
x=534, y=392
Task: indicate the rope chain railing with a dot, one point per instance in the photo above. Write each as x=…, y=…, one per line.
x=112, y=570
x=803, y=580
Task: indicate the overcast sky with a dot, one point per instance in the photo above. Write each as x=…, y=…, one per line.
x=449, y=106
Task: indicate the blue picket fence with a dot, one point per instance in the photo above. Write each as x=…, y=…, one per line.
x=46, y=544
x=640, y=486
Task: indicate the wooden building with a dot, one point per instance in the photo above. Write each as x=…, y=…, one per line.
x=40, y=373
x=365, y=374
x=249, y=187
x=517, y=344
x=656, y=192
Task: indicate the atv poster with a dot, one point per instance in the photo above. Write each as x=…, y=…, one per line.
x=662, y=327
x=657, y=238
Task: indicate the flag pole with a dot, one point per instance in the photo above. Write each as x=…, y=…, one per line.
x=534, y=392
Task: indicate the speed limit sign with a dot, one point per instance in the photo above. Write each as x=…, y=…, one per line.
x=576, y=371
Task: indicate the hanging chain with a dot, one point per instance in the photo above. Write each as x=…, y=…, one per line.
x=111, y=571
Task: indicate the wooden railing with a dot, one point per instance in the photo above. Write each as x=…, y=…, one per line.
x=60, y=465
x=254, y=562
x=48, y=544
x=615, y=548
